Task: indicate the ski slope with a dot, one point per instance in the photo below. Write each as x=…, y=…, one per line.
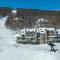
x=23, y=52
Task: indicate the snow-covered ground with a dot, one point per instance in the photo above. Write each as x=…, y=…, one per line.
x=23, y=52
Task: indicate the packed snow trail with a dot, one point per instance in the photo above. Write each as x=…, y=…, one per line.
x=6, y=37
x=23, y=52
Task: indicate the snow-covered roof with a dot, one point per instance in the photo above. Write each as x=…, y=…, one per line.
x=30, y=29
x=58, y=30
x=16, y=18
x=53, y=36
x=47, y=29
x=13, y=11
x=17, y=35
x=41, y=30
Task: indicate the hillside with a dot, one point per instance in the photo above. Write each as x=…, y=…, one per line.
x=27, y=18
x=5, y=10
x=23, y=52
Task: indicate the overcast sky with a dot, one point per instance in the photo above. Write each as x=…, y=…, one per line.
x=34, y=4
